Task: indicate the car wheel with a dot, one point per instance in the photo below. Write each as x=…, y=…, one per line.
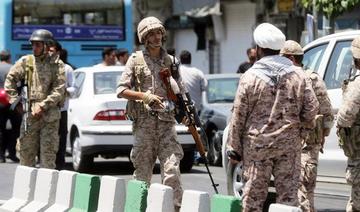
x=214, y=154
x=187, y=161
x=81, y=162
x=235, y=183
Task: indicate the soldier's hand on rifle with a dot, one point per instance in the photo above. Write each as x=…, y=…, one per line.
x=154, y=101
x=233, y=156
x=186, y=121
x=37, y=111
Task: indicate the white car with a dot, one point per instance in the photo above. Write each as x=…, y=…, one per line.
x=97, y=123
x=331, y=57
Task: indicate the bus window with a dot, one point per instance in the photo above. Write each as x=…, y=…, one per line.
x=70, y=20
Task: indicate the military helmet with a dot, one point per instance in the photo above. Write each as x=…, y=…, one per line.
x=148, y=24
x=355, y=47
x=4, y=98
x=291, y=48
x=42, y=35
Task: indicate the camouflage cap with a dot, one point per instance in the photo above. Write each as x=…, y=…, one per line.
x=355, y=47
x=291, y=48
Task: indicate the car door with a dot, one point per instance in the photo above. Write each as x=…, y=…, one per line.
x=73, y=113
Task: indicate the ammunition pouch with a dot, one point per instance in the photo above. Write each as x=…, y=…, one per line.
x=317, y=134
x=135, y=109
x=349, y=140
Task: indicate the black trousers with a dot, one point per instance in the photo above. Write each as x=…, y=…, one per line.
x=8, y=137
x=60, y=156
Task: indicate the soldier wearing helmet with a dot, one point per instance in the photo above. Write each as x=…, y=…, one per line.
x=348, y=124
x=314, y=140
x=151, y=110
x=43, y=78
x=40, y=40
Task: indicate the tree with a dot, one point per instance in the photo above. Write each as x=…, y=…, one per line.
x=331, y=8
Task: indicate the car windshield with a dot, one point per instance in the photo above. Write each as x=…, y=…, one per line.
x=105, y=82
x=222, y=90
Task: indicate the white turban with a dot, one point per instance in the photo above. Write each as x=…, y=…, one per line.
x=268, y=36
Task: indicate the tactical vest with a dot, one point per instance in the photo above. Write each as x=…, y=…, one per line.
x=349, y=137
x=28, y=64
x=136, y=108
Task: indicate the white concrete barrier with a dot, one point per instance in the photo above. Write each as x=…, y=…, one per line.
x=45, y=190
x=195, y=201
x=160, y=198
x=275, y=207
x=112, y=194
x=64, y=192
x=23, y=189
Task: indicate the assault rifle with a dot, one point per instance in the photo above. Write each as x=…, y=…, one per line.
x=21, y=104
x=186, y=110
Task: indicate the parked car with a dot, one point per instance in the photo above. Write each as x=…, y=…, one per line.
x=97, y=123
x=217, y=102
x=331, y=58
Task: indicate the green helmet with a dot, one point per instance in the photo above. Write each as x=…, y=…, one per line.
x=42, y=35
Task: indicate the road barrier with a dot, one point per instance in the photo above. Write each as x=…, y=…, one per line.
x=53, y=191
x=23, y=189
x=45, y=190
x=65, y=190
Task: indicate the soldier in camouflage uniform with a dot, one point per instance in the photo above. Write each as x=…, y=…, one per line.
x=46, y=87
x=148, y=107
x=348, y=123
x=313, y=142
x=272, y=102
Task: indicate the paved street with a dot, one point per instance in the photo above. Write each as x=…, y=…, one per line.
x=197, y=180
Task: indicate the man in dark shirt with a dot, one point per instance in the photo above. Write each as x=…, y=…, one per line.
x=251, y=53
x=7, y=136
x=5, y=65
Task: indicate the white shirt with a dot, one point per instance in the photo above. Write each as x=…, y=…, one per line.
x=69, y=85
x=194, y=81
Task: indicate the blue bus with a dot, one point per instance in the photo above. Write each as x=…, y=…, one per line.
x=83, y=27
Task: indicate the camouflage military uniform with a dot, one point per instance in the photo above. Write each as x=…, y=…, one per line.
x=313, y=144
x=47, y=91
x=348, y=123
x=272, y=102
x=154, y=131
x=349, y=117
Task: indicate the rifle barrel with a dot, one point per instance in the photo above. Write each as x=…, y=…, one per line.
x=211, y=178
x=200, y=148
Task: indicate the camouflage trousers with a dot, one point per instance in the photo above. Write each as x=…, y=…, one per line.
x=353, y=178
x=42, y=135
x=258, y=168
x=309, y=163
x=157, y=139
